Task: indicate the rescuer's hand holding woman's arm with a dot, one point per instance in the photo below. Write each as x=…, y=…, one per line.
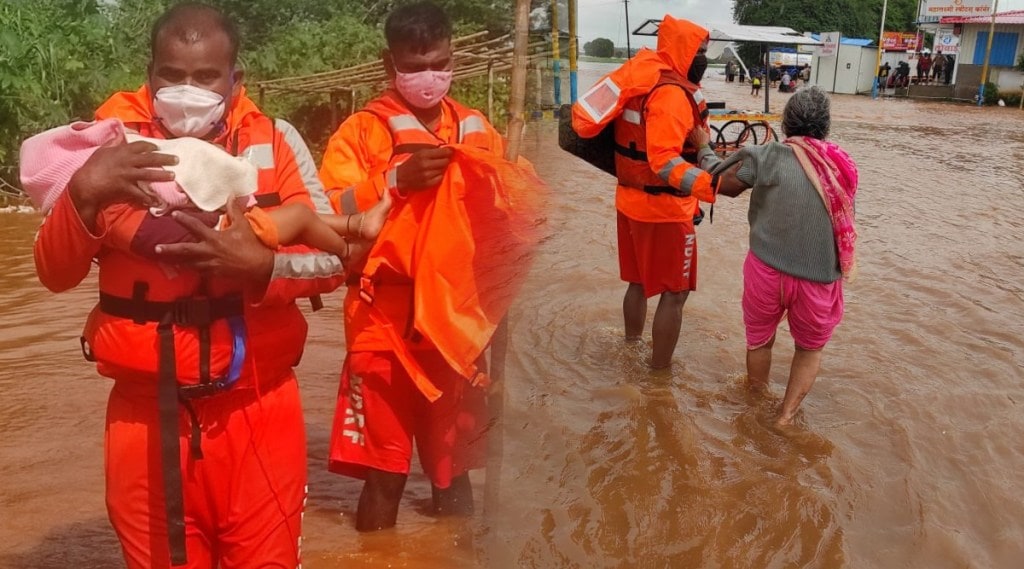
x=728, y=183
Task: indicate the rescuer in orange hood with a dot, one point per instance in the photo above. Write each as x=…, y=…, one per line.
x=654, y=101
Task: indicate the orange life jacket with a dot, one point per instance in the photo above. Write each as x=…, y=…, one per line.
x=449, y=260
x=215, y=335
x=631, y=166
x=671, y=194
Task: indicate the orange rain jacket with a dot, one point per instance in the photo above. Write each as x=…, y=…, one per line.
x=656, y=184
x=449, y=261
x=275, y=330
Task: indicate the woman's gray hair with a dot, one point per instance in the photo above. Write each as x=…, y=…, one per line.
x=807, y=113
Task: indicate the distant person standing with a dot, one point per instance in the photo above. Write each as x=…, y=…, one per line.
x=938, y=67
x=755, y=84
x=883, y=77
x=786, y=85
x=924, y=66
x=743, y=73
x=950, y=63
x=730, y=71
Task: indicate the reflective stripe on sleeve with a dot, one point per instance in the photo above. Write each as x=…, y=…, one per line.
x=260, y=155
x=306, y=166
x=405, y=122
x=471, y=125
x=666, y=170
x=689, y=178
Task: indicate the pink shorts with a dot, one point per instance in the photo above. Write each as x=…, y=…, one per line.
x=381, y=412
x=660, y=256
x=812, y=309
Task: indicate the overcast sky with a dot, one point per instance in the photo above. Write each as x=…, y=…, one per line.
x=607, y=18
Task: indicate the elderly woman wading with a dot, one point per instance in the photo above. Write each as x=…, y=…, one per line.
x=802, y=239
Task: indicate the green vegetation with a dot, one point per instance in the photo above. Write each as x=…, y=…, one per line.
x=854, y=18
x=599, y=47
x=59, y=59
x=602, y=59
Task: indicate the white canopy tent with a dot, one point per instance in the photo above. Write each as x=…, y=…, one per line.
x=724, y=36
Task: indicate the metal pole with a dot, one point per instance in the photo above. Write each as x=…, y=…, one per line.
x=835, y=74
x=556, y=54
x=766, y=81
x=881, y=49
x=499, y=342
x=572, y=51
x=629, y=50
x=988, y=53
x=490, y=90
x=540, y=80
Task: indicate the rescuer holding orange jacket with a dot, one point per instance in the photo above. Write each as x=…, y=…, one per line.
x=397, y=387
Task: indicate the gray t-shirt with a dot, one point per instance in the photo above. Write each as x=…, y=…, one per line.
x=790, y=229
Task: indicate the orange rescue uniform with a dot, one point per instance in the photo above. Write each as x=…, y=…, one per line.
x=654, y=109
x=359, y=165
x=240, y=444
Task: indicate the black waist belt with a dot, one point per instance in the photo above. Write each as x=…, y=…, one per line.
x=633, y=154
x=183, y=312
x=657, y=190
x=198, y=313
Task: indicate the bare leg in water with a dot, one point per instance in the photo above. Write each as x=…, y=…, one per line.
x=634, y=311
x=802, y=374
x=455, y=500
x=379, y=500
x=382, y=494
x=668, y=320
x=759, y=366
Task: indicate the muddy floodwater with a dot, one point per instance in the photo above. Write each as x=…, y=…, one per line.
x=908, y=452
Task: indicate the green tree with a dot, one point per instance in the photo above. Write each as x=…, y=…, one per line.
x=854, y=18
x=600, y=47
x=59, y=59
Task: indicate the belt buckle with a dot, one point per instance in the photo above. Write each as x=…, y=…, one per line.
x=190, y=312
x=201, y=390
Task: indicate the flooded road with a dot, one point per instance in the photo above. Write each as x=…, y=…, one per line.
x=907, y=453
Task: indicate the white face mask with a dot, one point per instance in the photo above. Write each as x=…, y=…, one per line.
x=186, y=110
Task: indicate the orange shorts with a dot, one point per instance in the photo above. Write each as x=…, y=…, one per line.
x=243, y=500
x=380, y=413
x=660, y=256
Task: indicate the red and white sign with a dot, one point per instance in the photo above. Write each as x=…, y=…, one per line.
x=899, y=41
x=932, y=9
x=829, y=44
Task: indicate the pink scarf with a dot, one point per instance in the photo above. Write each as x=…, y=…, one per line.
x=833, y=173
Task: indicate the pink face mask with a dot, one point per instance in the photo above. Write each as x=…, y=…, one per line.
x=423, y=89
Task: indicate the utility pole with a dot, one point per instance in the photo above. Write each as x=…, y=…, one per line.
x=629, y=51
x=572, y=51
x=881, y=48
x=556, y=54
x=988, y=53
